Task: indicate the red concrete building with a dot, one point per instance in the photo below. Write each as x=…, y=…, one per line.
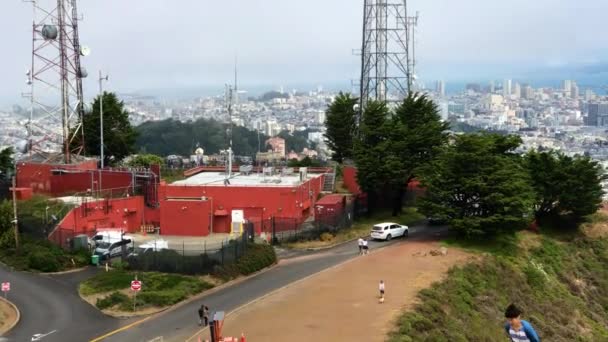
x=204, y=203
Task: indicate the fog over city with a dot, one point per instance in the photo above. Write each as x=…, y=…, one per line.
x=161, y=44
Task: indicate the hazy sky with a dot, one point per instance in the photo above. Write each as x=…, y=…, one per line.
x=147, y=44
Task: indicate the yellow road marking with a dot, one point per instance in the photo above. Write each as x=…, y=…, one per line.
x=126, y=327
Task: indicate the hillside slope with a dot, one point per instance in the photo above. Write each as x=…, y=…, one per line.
x=560, y=282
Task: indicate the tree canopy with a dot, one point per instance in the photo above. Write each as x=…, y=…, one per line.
x=340, y=121
x=6, y=161
x=479, y=185
x=145, y=160
x=564, y=185
x=118, y=134
x=392, y=145
x=170, y=136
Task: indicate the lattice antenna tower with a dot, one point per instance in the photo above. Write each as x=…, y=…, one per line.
x=55, y=79
x=387, y=53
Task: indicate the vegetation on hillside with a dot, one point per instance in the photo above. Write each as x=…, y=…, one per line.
x=145, y=160
x=169, y=137
x=561, y=284
x=6, y=161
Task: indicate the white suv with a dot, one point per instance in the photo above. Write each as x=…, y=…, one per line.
x=388, y=230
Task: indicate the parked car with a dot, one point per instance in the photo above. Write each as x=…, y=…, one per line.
x=108, y=250
x=150, y=247
x=109, y=236
x=388, y=230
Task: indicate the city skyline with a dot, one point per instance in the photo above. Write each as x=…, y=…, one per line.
x=155, y=45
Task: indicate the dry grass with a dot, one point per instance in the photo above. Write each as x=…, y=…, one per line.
x=597, y=227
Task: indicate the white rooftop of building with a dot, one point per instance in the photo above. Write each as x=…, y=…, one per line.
x=240, y=179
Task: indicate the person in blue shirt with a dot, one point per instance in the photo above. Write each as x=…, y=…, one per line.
x=517, y=329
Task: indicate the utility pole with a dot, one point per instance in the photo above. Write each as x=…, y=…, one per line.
x=15, y=213
x=101, y=79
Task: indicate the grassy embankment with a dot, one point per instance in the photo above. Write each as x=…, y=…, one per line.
x=110, y=291
x=361, y=227
x=559, y=279
x=35, y=252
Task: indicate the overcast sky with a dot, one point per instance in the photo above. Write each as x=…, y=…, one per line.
x=146, y=44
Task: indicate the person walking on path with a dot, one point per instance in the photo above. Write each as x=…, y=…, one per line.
x=360, y=243
x=365, y=248
x=381, y=288
x=206, y=315
x=201, y=314
x=516, y=328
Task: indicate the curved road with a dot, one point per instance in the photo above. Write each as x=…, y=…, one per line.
x=51, y=307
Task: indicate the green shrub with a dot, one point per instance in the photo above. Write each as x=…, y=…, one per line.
x=113, y=299
x=256, y=258
x=43, y=260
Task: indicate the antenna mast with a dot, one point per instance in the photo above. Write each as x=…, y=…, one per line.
x=387, y=62
x=55, y=79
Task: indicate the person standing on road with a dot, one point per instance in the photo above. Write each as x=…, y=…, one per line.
x=206, y=316
x=201, y=314
x=360, y=243
x=516, y=328
x=365, y=248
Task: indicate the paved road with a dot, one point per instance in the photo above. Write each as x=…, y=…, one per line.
x=180, y=324
x=50, y=304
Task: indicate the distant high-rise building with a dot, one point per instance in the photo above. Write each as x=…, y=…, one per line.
x=492, y=87
x=589, y=94
x=321, y=117
x=574, y=92
x=506, y=88
x=517, y=90
x=527, y=92
x=567, y=86
x=440, y=88
x=597, y=114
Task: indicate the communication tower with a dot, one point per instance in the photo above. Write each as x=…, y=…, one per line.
x=55, y=80
x=387, y=51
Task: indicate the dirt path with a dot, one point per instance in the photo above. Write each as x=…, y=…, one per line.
x=341, y=304
x=8, y=316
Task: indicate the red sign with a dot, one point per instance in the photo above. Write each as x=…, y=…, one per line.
x=135, y=285
x=6, y=287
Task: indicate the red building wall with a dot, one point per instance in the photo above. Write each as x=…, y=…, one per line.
x=69, y=183
x=349, y=177
x=258, y=203
x=126, y=213
x=38, y=176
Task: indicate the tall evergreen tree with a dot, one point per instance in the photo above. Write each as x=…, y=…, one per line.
x=340, y=122
x=416, y=135
x=370, y=149
x=118, y=134
x=479, y=185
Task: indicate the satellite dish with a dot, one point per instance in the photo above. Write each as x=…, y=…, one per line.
x=22, y=146
x=49, y=32
x=85, y=51
x=83, y=73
